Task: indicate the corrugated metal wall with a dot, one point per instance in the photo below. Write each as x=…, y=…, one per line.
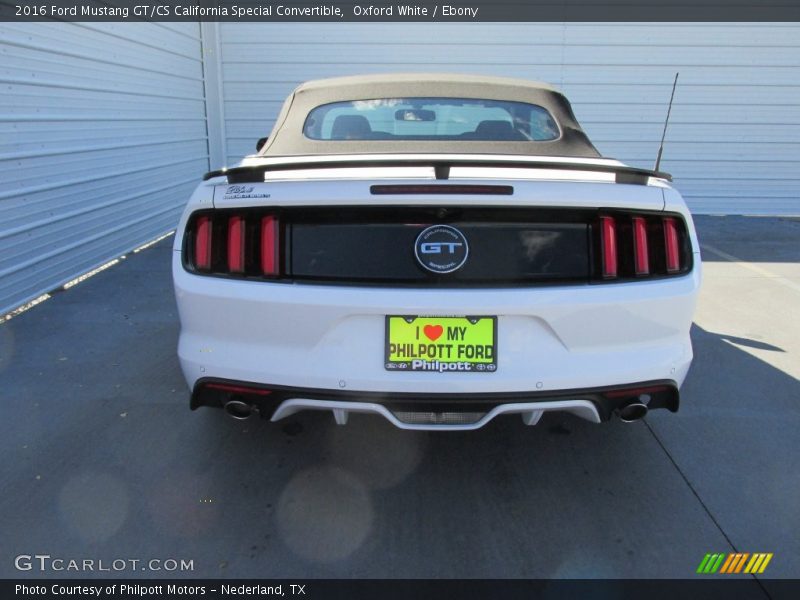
x=734, y=138
x=102, y=139
x=106, y=128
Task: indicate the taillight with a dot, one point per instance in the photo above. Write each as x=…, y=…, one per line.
x=202, y=243
x=671, y=245
x=245, y=244
x=641, y=257
x=269, y=246
x=236, y=244
x=638, y=246
x=608, y=243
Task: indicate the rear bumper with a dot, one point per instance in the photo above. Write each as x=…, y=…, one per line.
x=332, y=337
x=436, y=411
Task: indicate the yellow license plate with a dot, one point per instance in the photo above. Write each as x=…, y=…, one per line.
x=441, y=344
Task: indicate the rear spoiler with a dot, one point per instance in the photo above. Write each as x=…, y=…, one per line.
x=255, y=173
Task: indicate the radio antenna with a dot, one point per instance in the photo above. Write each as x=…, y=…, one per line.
x=666, y=121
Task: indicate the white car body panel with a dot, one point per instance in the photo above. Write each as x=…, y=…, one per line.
x=331, y=337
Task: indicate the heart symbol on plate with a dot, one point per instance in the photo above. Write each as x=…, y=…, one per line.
x=434, y=332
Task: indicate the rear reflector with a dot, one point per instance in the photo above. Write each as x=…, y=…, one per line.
x=671, y=245
x=236, y=245
x=608, y=241
x=237, y=389
x=202, y=244
x=269, y=246
x=641, y=259
x=632, y=392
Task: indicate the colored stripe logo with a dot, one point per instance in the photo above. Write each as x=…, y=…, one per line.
x=735, y=562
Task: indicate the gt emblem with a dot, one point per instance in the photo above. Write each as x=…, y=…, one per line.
x=441, y=249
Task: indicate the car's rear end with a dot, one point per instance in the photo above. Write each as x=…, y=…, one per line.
x=438, y=291
x=284, y=290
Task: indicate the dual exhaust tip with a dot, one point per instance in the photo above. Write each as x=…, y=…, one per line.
x=632, y=412
x=239, y=409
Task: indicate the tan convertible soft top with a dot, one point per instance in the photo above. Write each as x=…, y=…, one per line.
x=287, y=137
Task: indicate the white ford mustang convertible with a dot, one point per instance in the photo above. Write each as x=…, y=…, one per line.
x=438, y=250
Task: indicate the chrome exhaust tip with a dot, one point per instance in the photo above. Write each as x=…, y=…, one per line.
x=632, y=412
x=239, y=409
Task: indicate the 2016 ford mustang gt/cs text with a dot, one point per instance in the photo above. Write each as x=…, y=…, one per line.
x=437, y=250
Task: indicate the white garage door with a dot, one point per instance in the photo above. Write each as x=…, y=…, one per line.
x=102, y=139
x=734, y=138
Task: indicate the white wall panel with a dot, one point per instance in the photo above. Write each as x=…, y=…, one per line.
x=734, y=137
x=102, y=139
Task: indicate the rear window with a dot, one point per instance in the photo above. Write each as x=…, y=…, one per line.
x=435, y=119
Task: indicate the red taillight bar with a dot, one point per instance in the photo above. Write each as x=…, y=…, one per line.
x=202, y=244
x=671, y=245
x=269, y=246
x=641, y=259
x=608, y=244
x=236, y=244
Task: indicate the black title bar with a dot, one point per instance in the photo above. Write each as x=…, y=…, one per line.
x=720, y=588
x=283, y=11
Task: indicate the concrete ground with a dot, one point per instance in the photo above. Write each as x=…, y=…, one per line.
x=102, y=459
